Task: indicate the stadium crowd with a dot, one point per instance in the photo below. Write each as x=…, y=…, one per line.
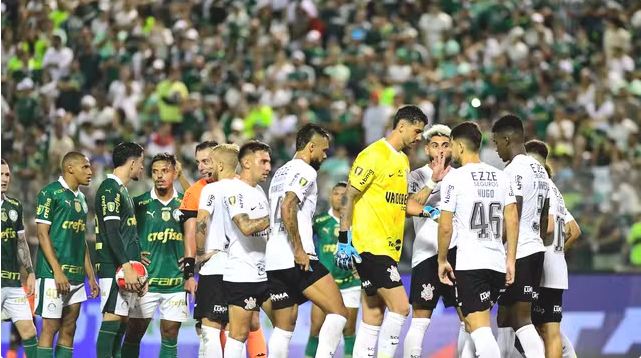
x=89, y=74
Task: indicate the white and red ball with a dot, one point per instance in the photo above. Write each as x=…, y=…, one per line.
x=140, y=269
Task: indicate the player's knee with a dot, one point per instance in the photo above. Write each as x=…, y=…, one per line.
x=421, y=313
x=400, y=308
x=254, y=324
x=169, y=331
x=26, y=330
x=67, y=332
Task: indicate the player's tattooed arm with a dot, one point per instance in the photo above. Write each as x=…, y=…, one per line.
x=201, y=231
x=251, y=226
x=422, y=195
x=289, y=213
x=24, y=255
x=348, y=207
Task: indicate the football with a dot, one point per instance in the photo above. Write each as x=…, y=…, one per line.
x=138, y=267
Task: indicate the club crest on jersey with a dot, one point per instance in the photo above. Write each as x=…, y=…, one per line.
x=250, y=303
x=302, y=181
x=111, y=206
x=177, y=214
x=358, y=171
x=393, y=274
x=428, y=292
x=13, y=215
x=166, y=215
x=77, y=206
x=4, y=216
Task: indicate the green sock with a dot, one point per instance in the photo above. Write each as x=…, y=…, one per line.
x=130, y=350
x=168, y=348
x=349, y=346
x=312, y=346
x=118, y=340
x=44, y=352
x=106, y=336
x=64, y=352
x=30, y=347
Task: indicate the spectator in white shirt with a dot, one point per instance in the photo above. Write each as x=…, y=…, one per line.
x=57, y=59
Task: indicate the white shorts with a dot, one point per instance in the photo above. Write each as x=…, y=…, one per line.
x=173, y=306
x=114, y=300
x=49, y=303
x=352, y=297
x=15, y=305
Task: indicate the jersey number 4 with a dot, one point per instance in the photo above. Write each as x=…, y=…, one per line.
x=559, y=234
x=487, y=221
x=277, y=215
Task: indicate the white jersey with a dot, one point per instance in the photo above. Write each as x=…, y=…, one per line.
x=555, y=268
x=477, y=195
x=426, y=229
x=297, y=177
x=246, y=254
x=529, y=181
x=211, y=199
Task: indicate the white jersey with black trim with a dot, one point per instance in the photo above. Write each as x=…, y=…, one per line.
x=246, y=254
x=426, y=229
x=297, y=177
x=211, y=199
x=555, y=268
x=477, y=194
x=529, y=181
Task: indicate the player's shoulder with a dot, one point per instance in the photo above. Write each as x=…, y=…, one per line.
x=143, y=199
x=376, y=149
x=421, y=173
x=108, y=185
x=299, y=167
x=321, y=218
x=196, y=188
x=12, y=201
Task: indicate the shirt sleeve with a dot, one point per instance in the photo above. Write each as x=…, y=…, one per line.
x=20, y=219
x=189, y=206
x=510, y=198
x=414, y=182
x=110, y=204
x=450, y=187
x=568, y=216
x=207, y=197
x=44, y=211
x=516, y=180
x=363, y=171
x=235, y=203
x=300, y=183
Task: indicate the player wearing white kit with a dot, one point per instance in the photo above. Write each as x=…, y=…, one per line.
x=425, y=289
x=547, y=309
x=477, y=203
x=212, y=245
x=294, y=271
x=530, y=183
x=246, y=225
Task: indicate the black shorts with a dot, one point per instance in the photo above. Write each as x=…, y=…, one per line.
x=426, y=287
x=378, y=271
x=211, y=301
x=527, y=280
x=548, y=307
x=286, y=286
x=248, y=295
x=478, y=290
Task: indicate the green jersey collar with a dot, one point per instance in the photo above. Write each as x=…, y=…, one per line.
x=64, y=184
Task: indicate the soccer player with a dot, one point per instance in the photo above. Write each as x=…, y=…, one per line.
x=294, y=271
x=373, y=220
x=547, y=309
x=117, y=243
x=63, y=257
x=326, y=227
x=530, y=183
x=478, y=204
x=425, y=188
x=246, y=224
x=15, y=253
x=160, y=228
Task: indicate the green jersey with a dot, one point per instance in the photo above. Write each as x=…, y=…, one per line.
x=114, y=203
x=66, y=214
x=161, y=233
x=326, y=229
x=12, y=225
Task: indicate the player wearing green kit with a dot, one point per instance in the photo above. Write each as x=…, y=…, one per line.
x=63, y=259
x=326, y=227
x=15, y=253
x=160, y=229
x=116, y=244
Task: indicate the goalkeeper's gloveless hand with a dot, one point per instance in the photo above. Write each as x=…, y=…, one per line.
x=346, y=253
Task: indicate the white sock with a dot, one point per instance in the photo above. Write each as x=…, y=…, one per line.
x=211, y=342
x=278, y=345
x=330, y=335
x=365, y=343
x=464, y=344
x=531, y=342
x=505, y=340
x=568, y=348
x=234, y=348
x=390, y=334
x=486, y=346
x=413, y=345
x=201, y=346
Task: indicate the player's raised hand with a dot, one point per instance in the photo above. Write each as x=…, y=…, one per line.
x=95, y=288
x=31, y=284
x=445, y=273
x=62, y=283
x=301, y=258
x=510, y=270
x=144, y=258
x=439, y=170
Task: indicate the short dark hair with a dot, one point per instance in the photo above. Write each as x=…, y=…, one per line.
x=206, y=145
x=340, y=184
x=306, y=134
x=125, y=151
x=252, y=147
x=411, y=114
x=164, y=157
x=508, y=122
x=548, y=169
x=537, y=147
x=469, y=132
x=4, y=162
x=71, y=156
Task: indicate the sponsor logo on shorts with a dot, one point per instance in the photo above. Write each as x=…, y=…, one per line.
x=428, y=292
x=219, y=309
x=538, y=309
x=278, y=296
x=393, y=274
x=366, y=284
x=51, y=307
x=535, y=295
x=484, y=296
x=557, y=309
x=250, y=303
x=527, y=290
